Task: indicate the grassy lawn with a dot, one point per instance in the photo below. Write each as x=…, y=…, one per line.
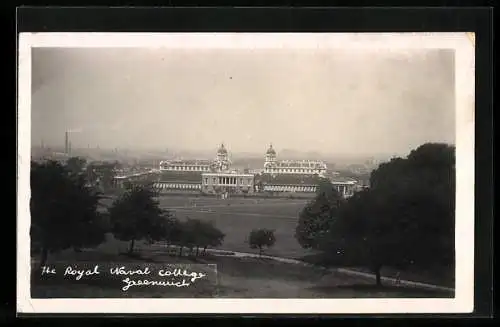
x=437, y=275
x=232, y=277
x=236, y=217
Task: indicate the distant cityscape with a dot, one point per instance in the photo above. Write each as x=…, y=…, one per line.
x=174, y=172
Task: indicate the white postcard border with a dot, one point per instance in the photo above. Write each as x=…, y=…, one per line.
x=464, y=79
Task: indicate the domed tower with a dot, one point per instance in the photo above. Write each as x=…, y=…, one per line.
x=270, y=157
x=222, y=158
x=222, y=153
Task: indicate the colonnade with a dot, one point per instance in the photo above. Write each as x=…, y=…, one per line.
x=185, y=168
x=289, y=188
x=223, y=180
x=178, y=186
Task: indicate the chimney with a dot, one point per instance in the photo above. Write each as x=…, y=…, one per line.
x=66, y=142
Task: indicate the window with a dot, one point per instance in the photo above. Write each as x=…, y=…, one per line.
x=214, y=180
x=241, y=180
x=206, y=180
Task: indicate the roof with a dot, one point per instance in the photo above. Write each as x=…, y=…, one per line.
x=289, y=179
x=125, y=176
x=270, y=150
x=180, y=182
x=343, y=183
x=310, y=164
x=222, y=149
x=227, y=174
x=342, y=180
x=180, y=176
x=193, y=162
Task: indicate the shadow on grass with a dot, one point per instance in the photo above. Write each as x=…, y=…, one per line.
x=386, y=291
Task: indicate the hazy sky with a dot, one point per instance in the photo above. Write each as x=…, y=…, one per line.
x=330, y=101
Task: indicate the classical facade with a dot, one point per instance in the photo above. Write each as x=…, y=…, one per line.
x=301, y=167
x=290, y=176
x=220, y=163
x=216, y=176
x=345, y=188
x=185, y=165
x=206, y=176
x=227, y=182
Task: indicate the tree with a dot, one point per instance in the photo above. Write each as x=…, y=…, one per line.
x=102, y=173
x=362, y=235
x=194, y=233
x=208, y=235
x=406, y=217
x=316, y=218
x=136, y=215
x=260, y=238
x=172, y=230
x=63, y=210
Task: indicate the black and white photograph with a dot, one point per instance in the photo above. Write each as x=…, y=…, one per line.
x=242, y=167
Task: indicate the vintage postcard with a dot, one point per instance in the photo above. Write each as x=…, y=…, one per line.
x=245, y=173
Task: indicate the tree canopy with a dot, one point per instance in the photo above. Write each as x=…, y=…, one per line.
x=136, y=215
x=102, y=174
x=196, y=234
x=63, y=210
x=405, y=218
x=318, y=215
x=260, y=238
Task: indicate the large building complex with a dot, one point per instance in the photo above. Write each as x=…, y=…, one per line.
x=301, y=167
x=205, y=176
x=216, y=176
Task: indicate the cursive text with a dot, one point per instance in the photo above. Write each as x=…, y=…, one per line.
x=130, y=282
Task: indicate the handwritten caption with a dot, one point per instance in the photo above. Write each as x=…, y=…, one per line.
x=145, y=276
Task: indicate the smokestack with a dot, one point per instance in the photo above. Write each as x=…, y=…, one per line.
x=69, y=147
x=66, y=142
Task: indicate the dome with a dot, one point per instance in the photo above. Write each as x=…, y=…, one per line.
x=271, y=150
x=222, y=149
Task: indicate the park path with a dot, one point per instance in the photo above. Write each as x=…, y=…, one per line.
x=338, y=270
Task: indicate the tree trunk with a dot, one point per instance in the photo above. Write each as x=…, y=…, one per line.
x=377, y=275
x=180, y=250
x=260, y=252
x=44, y=256
x=205, y=250
x=131, y=248
x=197, y=251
